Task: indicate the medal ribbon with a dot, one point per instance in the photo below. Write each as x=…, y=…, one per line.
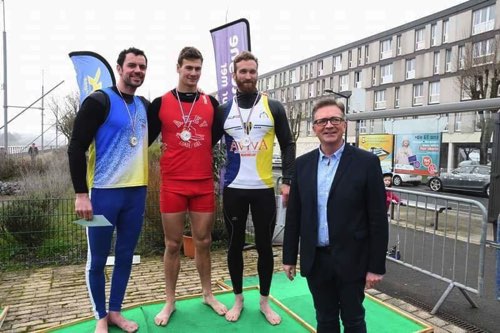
x=132, y=120
x=185, y=119
x=246, y=126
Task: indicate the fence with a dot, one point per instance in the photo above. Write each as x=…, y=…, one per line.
x=447, y=244
x=42, y=232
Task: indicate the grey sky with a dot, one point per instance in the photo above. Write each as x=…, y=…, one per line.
x=40, y=34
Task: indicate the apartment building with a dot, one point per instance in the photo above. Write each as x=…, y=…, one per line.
x=418, y=63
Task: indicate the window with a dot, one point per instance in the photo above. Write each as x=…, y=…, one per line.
x=311, y=89
x=396, y=97
x=349, y=58
x=434, y=92
x=398, y=45
x=461, y=57
x=447, y=61
x=283, y=83
x=418, y=94
x=446, y=29
x=477, y=122
x=362, y=126
x=344, y=82
x=367, y=54
x=433, y=34
x=435, y=67
x=410, y=68
x=292, y=77
x=380, y=100
x=419, y=39
x=318, y=88
x=296, y=93
x=268, y=83
x=337, y=63
x=311, y=70
x=458, y=122
x=385, y=49
x=283, y=95
x=482, y=52
x=374, y=76
x=331, y=82
x=372, y=125
x=357, y=79
x=360, y=58
x=306, y=71
x=301, y=73
x=483, y=20
x=320, y=67
x=386, y=73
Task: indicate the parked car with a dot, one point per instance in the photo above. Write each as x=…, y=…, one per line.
x=399, y=179
x=276, y=161
x=471, y=178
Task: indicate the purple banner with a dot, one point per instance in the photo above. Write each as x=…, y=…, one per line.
x=229, y=40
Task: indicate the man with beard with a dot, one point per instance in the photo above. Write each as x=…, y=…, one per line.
x=250, y=123
x=185, y=116
x=112, y=125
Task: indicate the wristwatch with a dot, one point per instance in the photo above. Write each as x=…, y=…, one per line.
x=286, y=181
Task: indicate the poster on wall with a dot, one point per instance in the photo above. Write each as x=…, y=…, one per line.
x=381, y=145
x=417, y=153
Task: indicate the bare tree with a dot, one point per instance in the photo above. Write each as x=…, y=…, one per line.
x=65, y=109
x=479, y=78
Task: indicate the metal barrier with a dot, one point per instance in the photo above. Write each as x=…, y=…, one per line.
x=452, y=251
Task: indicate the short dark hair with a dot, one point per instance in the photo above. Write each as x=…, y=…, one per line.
x=328, y=101
x=123, y=54
x=189, y=53
x=387, y=174
x=244, y=56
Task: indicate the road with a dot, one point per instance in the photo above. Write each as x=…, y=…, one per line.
x=424, y=189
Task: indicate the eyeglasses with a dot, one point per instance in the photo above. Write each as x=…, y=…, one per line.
x=333, y=120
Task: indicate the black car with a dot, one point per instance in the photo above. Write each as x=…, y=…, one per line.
x=471, y=178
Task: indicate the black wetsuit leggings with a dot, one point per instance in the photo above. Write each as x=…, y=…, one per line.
x=262, y=204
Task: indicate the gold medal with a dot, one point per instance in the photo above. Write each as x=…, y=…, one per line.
x=133, y=141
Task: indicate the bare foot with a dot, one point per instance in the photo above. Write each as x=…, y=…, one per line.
x=116, y=318
x=234, y=313
x=272, y=317
x=163, y=316
x=217, y=306
x=102, y=325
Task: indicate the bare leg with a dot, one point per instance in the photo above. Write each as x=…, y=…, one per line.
x=202, y=224
x=272, y=317
x=116, y=318
x=173, y=227
x=234, y=313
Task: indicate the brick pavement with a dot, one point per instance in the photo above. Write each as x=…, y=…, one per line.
x=45, y=297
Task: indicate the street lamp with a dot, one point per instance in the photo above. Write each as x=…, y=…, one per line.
x=346, y=95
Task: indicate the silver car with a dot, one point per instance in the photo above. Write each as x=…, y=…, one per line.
x=472, y=178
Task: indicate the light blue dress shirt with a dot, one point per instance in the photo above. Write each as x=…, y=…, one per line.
x=327, y=167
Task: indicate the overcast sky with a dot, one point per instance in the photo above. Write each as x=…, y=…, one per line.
x=40, y=34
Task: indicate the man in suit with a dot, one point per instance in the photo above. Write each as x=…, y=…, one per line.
x=337, y=210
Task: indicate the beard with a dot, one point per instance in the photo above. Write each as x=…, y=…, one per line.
x=246, y=86
x=131, y=81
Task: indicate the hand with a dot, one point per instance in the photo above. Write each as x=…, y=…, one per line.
x=290, y=271
x=372, y=279
x=285, y=193
x=83, y=206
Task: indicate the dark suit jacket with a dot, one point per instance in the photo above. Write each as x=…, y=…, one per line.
x=357, y=218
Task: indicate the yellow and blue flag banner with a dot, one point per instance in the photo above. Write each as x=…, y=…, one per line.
x=92, y=72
